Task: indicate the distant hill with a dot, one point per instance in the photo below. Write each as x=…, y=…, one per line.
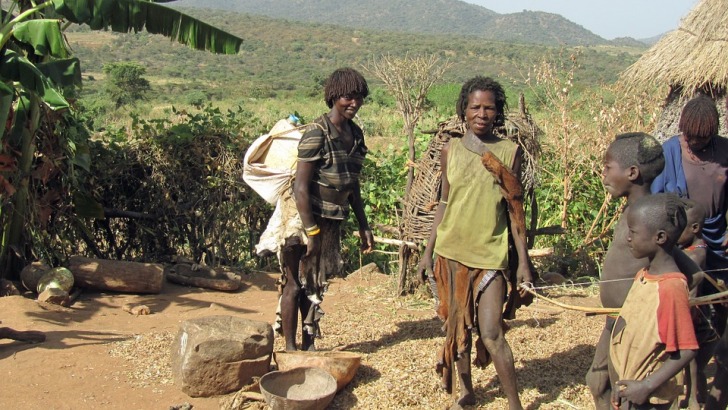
x=630, y=42
x=280, y=56
x=652, y=40
x=420, y=16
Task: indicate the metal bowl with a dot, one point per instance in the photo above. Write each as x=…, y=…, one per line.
x=303, y=388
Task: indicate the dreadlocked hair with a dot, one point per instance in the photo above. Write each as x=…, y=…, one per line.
x=699, y=118
x=481, y=83
x=640, y=150
x=344, y=81
x=664, y=211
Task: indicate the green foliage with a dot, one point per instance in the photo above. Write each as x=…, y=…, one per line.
x=196, y=98
x=451, y=17
x=382, y=185
x=269, y=67
x=381, y=97
x=38, y=73
x=444, y=95
x=125, y=82
x=180, y=180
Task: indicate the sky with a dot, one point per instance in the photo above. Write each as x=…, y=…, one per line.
x=638, y=19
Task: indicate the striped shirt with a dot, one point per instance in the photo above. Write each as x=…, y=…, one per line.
x=334, y=167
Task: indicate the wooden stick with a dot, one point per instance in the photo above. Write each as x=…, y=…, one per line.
x=718, y=286
x=709, y=298
x=390, y=241
x=536, y=253
x=591, y=311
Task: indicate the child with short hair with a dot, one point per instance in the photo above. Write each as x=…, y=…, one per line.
x=692, y=243
x=631, y=163
x=691, y=240
x=653, y=337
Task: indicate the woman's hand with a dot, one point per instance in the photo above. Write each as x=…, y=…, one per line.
x=314, y=246
x=424, y=268
x=636, y=391
x=367, y=240
x=523, y=275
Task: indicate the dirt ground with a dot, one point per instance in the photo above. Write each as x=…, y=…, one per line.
x=98, y=356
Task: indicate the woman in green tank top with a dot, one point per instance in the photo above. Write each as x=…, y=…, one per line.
x=470, y=238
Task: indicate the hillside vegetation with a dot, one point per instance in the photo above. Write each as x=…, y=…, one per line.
x=423, y=16
x=283, y=56
x=197, y=99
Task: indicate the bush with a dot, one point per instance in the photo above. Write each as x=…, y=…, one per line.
x=196, y=98
x=177, y=183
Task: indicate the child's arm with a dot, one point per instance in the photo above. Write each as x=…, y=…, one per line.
x=637, y=391
x=688, y=267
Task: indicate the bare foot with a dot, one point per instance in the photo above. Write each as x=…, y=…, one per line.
x=29, y=336
x=466, y=400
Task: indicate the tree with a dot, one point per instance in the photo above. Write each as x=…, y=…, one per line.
x=409, y=79
x=36, y=65
x=125, y=83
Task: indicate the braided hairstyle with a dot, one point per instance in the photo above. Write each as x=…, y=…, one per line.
x=344, y=81
x=481, y=83
x=695, y=212
x=664, y=211
x=641, y=150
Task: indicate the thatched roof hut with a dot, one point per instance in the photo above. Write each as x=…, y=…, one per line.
x=689, y=60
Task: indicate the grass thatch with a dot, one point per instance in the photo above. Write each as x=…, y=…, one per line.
x=691, y=57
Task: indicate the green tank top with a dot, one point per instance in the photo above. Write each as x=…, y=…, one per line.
x=474, y=228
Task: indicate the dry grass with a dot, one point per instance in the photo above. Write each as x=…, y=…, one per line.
x=148, y=358
x=399, y=337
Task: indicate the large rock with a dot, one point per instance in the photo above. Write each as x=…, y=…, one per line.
x=216, y=355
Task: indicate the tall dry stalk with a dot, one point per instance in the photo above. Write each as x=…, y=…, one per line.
x=553, y=83
x=409, y=79
x=578, y=127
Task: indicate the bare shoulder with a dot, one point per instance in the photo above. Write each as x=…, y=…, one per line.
x=619, y=262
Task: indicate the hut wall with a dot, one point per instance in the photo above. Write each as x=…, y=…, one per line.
x=667, y=124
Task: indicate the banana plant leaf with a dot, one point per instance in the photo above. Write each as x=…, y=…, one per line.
x=82, y=157
x=6, y=103
x=15, y=67
x=65, y=73
x=21, y=115
x=136, y=15
x=44, y=35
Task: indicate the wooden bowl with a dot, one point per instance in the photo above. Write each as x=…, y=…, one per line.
x=341, y=365
x=303, y=388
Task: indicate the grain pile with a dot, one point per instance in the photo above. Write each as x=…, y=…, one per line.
x=398, y=338
x=148, y=357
